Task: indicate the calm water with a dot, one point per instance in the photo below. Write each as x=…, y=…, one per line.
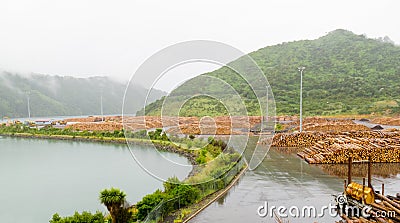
x=41, y=177
x=285, y=180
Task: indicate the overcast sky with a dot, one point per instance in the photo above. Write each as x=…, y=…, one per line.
x=86, y=38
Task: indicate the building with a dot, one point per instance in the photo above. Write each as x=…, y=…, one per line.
x=43, y=122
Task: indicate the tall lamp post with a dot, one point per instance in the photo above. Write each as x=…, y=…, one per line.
x=301, y=69
x=267, y=104
x=101, y=107
x=29, y=106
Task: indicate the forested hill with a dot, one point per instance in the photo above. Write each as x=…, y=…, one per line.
x=56, y=96
x=345, y=74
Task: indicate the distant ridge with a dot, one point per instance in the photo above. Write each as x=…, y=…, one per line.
x=57, y=96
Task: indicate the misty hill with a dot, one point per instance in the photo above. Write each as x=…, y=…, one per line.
x=56, y=96
x=345, y=74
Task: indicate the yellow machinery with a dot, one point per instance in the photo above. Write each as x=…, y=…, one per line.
x=31, y=124
x=62, y=122
x=355, y=190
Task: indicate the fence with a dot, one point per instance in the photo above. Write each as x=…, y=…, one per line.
x=207, y=188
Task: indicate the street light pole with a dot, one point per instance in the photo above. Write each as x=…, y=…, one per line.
x=267, y=105
x=101, y=107
x=29, y=106
x=301, y=69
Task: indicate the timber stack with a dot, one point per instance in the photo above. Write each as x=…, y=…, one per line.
x=335, y=127
x=394, y=121
x=96, y=126
x=382, y=148
x=385, y=209
x=297, y=139
x=314, y=132
x=337, y=147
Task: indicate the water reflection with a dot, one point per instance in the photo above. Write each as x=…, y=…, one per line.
x=283, y=179
x=383, y=170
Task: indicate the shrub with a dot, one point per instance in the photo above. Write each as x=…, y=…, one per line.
x=88, y=217
x=149, y=202
x=186, y=194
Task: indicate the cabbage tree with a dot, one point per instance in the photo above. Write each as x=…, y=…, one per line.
x=114, y=200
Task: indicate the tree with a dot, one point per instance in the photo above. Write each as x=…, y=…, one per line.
x=114, y=199
x=149, y=202
x=86, y=217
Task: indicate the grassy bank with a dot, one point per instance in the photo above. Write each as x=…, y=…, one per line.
x=116, y=137
x=216, y=167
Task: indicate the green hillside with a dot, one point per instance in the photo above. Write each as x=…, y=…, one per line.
x=345, y=74
x=56, y=96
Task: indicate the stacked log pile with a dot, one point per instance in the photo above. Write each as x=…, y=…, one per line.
x=96, y=126
x=385, y=209
x=298, y=139
x=318, y=120
x=203, y=130
x=286, y=118
x=337, y=149
x=325, y=124
x=302, y=139
x=87, y=119
x=335, y=127
x=385, y=134
x=95, y=119
x=224, y=125
x=387, y=121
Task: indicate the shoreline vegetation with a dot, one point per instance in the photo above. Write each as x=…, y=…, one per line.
x=216, y=167
x=161, y=145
